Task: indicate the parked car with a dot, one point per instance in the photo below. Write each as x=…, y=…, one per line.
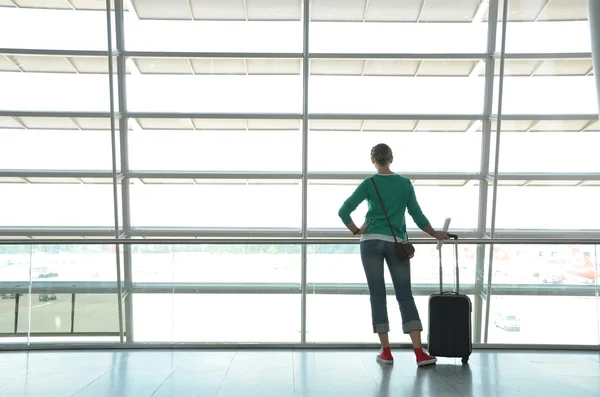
x=508, y=322
x=8, y=296
x=47, y=297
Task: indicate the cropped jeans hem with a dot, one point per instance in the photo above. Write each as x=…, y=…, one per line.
x=413, y=325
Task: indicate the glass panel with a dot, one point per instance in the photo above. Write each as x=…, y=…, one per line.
x=68, y=91
x=214, y=150
x=20, y=27
x=96, y=313
x=167, y=25
x=56, y=204
x=342, y=264
x=216, y=263
x=460, y=203
x=412, y=95
x=216, y=318
x=49, y=313
x=549, y=95
x=327, y=314
x=346, y=150
x=534, y=207
x=215, y=93
x=71, y=263
x=540, y=151
x=245, y=203
x=55, y=149
x=541, y=320
x=545, y=264
x=14, y=264
x=339, y=26
x=7, y=313
x=541, y=27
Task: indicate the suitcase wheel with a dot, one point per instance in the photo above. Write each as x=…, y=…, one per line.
x=465, y=360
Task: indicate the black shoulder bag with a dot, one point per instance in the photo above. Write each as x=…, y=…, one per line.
x=404, y=249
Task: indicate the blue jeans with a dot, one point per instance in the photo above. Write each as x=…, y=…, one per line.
x=373, y=253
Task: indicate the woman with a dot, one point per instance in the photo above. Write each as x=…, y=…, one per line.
x=377, y=244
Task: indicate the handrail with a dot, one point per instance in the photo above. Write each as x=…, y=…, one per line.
x=289, y=241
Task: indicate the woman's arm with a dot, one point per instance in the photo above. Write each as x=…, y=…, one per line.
x=345, y=211
x=420, y=219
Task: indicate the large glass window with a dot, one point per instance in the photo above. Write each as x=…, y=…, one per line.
x=211, y=141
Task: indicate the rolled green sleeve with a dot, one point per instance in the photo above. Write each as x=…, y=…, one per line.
x=357, y=197
x=415, y=210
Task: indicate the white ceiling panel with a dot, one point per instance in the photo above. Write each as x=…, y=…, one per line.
x=168, y=181
x=565, y=10
x=54, y=180
x=165, y=124
x=97, y=181
x=594, y=127
x=6, y=3
x=92, y=64
x=564, y=67
x=391, y=67
x=524, y=10
x=219, y=66
x=220, y=124
x=446, y=67
x=163, y=65
x=273, y=124
x=218, y=10
x=5, y=179
x=162, y=9
x=393, y=10
x=336, y=67
x=274, y=10
x=514, y=125
x=517, y=67
x=49, y=123
x=274, y=66
x=390, y=125
x=7, y=65
x=49, y=64
x=444, y=10
x=9, y=122
x=560, y=125
x=93, y=4
x=444, y=125
x=93, y=123
x=57, y=4
x=338, y=10
x=335, y=125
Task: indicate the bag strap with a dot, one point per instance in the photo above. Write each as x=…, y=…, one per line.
x=384, y=211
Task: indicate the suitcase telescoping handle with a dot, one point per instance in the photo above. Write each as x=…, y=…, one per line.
x=455, y=238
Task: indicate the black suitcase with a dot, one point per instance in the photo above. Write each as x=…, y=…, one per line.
x=450, y=320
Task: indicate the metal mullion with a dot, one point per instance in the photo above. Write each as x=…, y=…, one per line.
x=546, y=55
x=496, y=167
x=58, y=53
x=392, y=55
x=594, y=22
x=53, y=174
x=195, y=54
x=114, y=165
x=445, y=176
x=61, y=114
x=213, y=175
x=124, y=153
x=251, y=116
x=484, y=166
x=415, y=116
x=590, y=240
x=305, y=130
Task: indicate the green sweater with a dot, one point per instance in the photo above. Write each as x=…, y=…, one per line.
x=398, y=195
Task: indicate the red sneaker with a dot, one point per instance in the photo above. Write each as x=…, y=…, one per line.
x=424, y=359
x=385, y=357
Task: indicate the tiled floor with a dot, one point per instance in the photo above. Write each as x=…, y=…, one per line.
x=299, y=373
